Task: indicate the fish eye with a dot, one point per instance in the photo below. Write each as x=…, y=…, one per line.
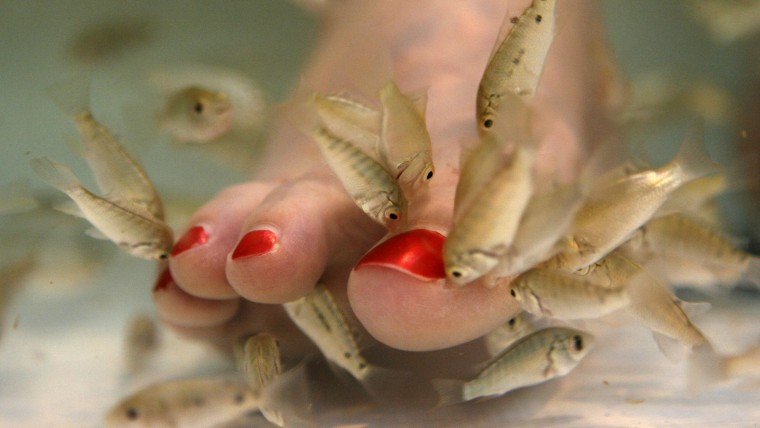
x=392, y=214
x=429, y=175
x=457, y=273
x=198, y=107
x=163, y=256
x=132, y=413
x=239, y=397
x=578, y=343
x=514, y=294
x=488, y=123
x=512, y=322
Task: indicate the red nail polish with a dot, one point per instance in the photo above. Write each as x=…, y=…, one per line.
x=255, y=243
x=163, y=281
x=192, y=238
x=417, y=252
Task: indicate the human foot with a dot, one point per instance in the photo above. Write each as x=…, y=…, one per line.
x=270, y=241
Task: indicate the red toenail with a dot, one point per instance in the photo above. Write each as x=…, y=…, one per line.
x=417, y=252
x=192, y=238
x=255, y=243
x=163, y=281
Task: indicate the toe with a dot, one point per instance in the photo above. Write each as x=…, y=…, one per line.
x=198, y=258
x=299, y=230
x=398, y=293
x=181, y=309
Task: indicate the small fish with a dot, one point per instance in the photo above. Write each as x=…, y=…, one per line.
x=404, y=139
x=141, y=343
x=350, y=120
x=12, y=276
x=195, y=402
x=536, y=358
x=614, y=211
x=322, y=320
x=498, y=339
x=682, y=236
x=371, y=187
x=544, y=222
x=259, y=361
x=118, y=175
x=483, y=232
x=567, y=296
x=517, y=61
x=135, y=230
x=197, y=115
x=694, y=196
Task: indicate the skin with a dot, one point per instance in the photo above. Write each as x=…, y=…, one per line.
x=324, y=237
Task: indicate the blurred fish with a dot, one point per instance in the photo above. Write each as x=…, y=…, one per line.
x=404, y=139
x=517, y=60
x=728, y=21
x=109, y=39
x=498, y=339
x=350, y=120
x=258, y=358
x=133, y=229
x=371, y=187
x=195, y=402
x=12, y=276
x=614, y=210
x=680, y=236
x=141, y=343
x=694, y=197
x=566, y=295
x=483, y=233
x=536, y=358
x=196, y=114
x=16, y=196
x=322, y=320
x=119, y=176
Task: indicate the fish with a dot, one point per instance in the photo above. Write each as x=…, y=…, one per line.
x=615, y=210
x=707, y=368
x=258, y=358
x=483, y=232
x=499, y=338
x=365, y=180
x=405, y=143
x=13, y=274
x=110, y=39
x=118, y=174
x=323, y=321
x=695, y=196
x=516, y=62
x=541, y=356
x=141, y=343
x=192, y=402
x=546, y=219
x=134, y=230
x=350, y=120
x=196, y=114
x=566, y=295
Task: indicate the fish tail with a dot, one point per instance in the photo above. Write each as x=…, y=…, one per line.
x=450, y=391
x=72, y=96
x=705, y=368
x=55, y=174
x=692, y=157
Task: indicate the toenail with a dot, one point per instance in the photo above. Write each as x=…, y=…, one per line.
x=255, y=243
x=194, y=237
x=163, y=281
x=416, y=252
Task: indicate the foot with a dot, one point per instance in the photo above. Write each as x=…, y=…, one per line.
x=269, y=241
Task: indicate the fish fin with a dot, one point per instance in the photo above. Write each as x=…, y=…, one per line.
x=273, y=416
x=97, y=234
x=72, y=96
x=692, y=157
x=419, y=99
x=55, y=174
x=449, y=391
x=69, y=207
x=705, y=368
x=673, y=349
x=751, y=273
